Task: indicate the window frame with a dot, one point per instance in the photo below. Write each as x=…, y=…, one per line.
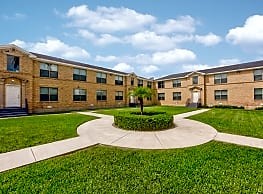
x=101, y=97
x=161, y=97
x=258, y=96
x=218, y=95
x=161, y=84
x=118, y=81
x=195, y=80
x=140, y=83
x=149, y=98
x=79, y=97
x=119, y=97
x=11, y=63
x=178, y=96
x=100, y=78
x=177, y=83
x=149, y=84
x=259, y=76
x=48, y=71
x=132, y=81
x=220, y=78
x=48, y=96
x=79, y=76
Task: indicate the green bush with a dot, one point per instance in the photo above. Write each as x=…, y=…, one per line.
x=228, y=106
x=149, y=121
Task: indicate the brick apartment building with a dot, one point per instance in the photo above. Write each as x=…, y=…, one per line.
x=42, y=83
x=234, y=85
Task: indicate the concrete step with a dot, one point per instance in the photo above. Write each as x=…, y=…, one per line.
x=12, y=112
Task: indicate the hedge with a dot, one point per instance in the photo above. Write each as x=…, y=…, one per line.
x=149, y=121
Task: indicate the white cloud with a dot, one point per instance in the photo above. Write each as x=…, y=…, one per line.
x=19, y=43
x=150, y=69
x=106, y=39
x=108, y=19
x=179, y=38
x=142, y=59
x=145, y=40
x=54, y=47
x=123, y=67
x=208, y=40
x=194, y=67
x=185, y=24
x=109, y=58
x=15, y=16
x=249, y=36
x=174, y=56
x=150, y=41
x=102, y=40
x=87, y=34
x=229, y=61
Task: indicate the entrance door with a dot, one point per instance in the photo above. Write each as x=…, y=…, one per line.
x=12, y=95
x=132, y=100
x=195, y=97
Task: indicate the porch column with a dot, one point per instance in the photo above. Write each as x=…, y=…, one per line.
x=2, y=95
x=23, y=94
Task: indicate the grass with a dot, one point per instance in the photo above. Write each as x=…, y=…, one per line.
x=17, y=133
x=234, y=121
x=210, y=168
x=169, y=109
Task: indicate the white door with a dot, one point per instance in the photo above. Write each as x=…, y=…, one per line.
x=132, y=100
x=195, y=97
x=12, y=95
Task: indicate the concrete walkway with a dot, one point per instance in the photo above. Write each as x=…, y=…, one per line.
x=240, y=140
x=100, y=131
x=186, y=133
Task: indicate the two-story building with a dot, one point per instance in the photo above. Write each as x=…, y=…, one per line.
x=234, y=85
x=44, y=83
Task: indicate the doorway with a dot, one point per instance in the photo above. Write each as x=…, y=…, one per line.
x=12, y=95
x=196, y=96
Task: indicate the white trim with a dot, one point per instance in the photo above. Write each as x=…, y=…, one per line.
x=12, y=46
x=230, y=71
x=89, y=68
x=170, y=79
x=78, y=66
x=193, y=72
x=214, y=73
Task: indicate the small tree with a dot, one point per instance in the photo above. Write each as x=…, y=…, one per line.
x=141, y=93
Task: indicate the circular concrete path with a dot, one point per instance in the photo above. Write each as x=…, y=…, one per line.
x=186, y=133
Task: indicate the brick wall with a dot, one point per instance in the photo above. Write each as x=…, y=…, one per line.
x=240, y=86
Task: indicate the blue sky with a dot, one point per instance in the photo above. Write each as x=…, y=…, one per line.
x=151, y=38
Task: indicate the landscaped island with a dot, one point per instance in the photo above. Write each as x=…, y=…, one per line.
x=148, y=121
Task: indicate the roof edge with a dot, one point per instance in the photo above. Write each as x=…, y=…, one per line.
x=13, y=46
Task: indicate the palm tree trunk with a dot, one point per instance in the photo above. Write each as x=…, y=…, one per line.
x=141, y=104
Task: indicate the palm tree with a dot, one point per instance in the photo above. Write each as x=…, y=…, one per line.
x=141, y=93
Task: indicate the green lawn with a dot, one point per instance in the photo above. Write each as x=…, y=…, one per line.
x=235, y=121
x=169, y=109
x=17, y=133
x=210, y=168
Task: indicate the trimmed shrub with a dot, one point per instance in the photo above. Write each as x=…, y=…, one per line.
x=149, y=121
x=228, y=106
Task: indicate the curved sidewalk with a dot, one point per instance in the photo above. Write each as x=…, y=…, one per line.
x=186, y=133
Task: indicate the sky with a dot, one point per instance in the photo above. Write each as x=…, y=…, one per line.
x=152, y=38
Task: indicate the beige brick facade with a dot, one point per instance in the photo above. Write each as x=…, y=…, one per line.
x=29, y=80
x=239, y=87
